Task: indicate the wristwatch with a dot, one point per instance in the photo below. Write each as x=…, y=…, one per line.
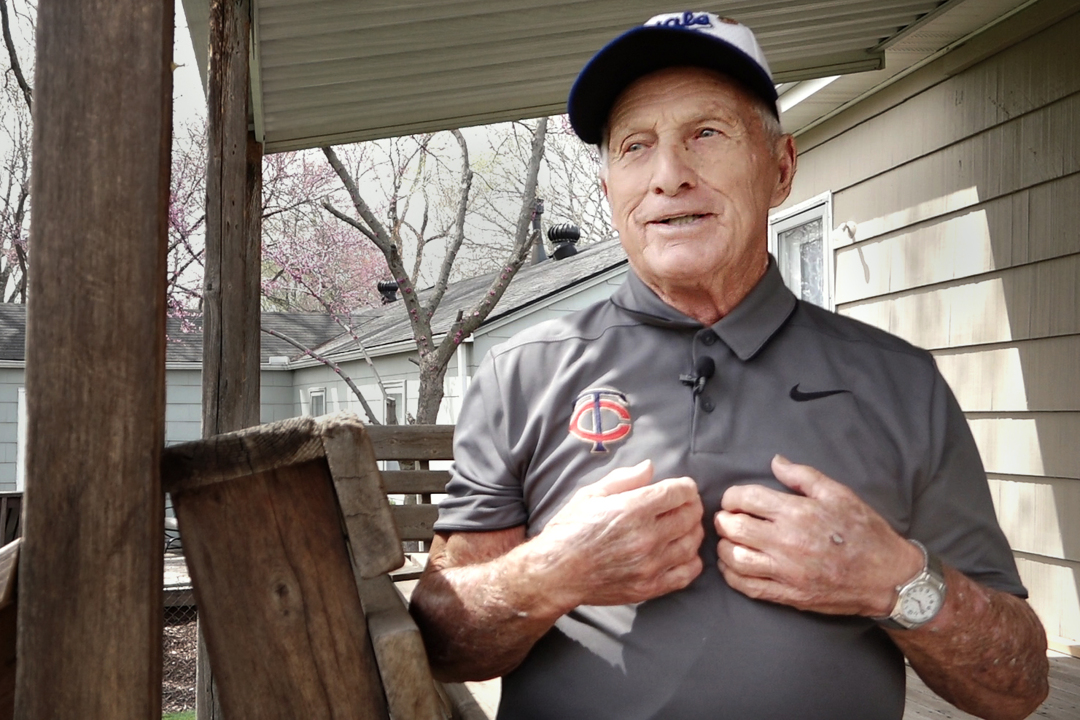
x=919, y=599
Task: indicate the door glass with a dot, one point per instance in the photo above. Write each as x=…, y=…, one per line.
x=801, y=256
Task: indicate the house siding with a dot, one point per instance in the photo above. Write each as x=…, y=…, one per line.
x=562, y=306
x=964, y=204
x=10, y=382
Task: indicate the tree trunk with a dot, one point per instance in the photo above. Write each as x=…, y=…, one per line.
x=432, y=378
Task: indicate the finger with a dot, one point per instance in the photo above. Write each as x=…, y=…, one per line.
x=682, y=549
x=745, y=561
x=679, y=521
x=754, y=587
x=757, y=500
x=743, y=529
x=667, y=495
x=804, y=479
x=679, y=576
x=621, y=480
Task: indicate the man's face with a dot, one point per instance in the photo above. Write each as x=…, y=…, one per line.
x=691, y=173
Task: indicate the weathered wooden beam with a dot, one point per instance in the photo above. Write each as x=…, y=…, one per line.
x=90, y=579
x=233, y=264
x=9, y=615
x=415, y=522
x=416, y=481
x=412, y=442
x=276, y=591
x=233, y=242
x=399, y=650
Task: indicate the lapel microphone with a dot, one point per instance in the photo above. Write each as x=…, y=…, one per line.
x=703, y=370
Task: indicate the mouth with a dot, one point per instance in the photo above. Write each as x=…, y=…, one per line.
x=677, y=220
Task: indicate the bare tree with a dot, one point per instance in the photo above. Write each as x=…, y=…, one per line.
x=568, y=183
x=16, y=104
x=389, y=237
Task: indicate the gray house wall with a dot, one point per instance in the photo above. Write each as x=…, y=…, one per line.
x=959, y=187
x=11, y=381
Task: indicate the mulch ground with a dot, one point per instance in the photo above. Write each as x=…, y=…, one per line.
x=178, y=673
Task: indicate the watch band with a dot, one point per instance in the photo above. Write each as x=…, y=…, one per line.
x=928, y=586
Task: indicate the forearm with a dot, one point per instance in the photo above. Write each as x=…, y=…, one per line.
x=480, y=621
x=985, y=652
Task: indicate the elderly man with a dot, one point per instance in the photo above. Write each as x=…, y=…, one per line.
x=624, y=536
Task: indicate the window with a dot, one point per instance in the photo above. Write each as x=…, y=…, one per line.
x=798, y=238
x=398, y=398
x=20, y=443
x=317, y=396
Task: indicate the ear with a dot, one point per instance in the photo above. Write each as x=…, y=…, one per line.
x=786, y=159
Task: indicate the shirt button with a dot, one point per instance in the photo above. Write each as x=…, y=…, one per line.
x=707, y=405
x=709, y=337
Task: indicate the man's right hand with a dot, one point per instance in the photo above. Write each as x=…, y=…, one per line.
x=623, y=540
x=487, y=597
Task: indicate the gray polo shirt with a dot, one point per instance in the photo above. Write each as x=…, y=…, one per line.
x=563, y=403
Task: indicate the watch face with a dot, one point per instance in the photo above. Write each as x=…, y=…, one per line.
x=920, y=603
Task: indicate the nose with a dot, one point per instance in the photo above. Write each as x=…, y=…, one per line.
x=673, y=171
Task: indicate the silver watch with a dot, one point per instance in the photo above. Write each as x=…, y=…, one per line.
x=919, y=599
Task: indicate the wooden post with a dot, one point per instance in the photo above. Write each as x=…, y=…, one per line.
x=90, y=580
x=233, y=254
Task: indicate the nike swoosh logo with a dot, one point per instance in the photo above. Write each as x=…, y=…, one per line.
x=799, y=396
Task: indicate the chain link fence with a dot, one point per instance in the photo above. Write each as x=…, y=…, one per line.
x=179, y=659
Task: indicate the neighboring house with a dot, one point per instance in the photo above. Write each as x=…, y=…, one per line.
x=293, y=384
x=945, y=208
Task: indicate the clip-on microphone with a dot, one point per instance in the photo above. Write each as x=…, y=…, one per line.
x=703, y=370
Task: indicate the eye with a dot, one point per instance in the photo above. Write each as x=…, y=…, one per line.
x=708, y=132
x=633, y=147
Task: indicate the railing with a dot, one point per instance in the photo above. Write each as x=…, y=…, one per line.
x=415, y=445
x=10, y=516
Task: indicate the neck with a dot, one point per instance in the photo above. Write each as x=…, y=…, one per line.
x=713, y=298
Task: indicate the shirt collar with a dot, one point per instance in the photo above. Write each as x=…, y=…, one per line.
x=746, y=329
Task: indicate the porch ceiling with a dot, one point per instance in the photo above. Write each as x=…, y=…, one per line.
x=336, y=71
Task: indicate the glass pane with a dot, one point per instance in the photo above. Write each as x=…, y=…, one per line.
x=801, y=257
x=318, y=404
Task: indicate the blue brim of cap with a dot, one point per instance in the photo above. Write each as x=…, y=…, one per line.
x=647, y=49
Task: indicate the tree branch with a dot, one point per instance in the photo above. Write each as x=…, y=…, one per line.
x=346, y=219
x=330, y=364
x=523, y=240
x=377, y=232
x=15, y=66
x=418, y=319
x=459, y=225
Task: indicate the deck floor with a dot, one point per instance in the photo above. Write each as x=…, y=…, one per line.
x=1063, y=703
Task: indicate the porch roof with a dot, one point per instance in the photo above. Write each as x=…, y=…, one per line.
x=336, y=71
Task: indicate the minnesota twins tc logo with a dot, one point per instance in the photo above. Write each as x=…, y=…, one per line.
x=601, y=416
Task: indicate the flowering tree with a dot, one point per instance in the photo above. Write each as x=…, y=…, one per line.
x=412, y=166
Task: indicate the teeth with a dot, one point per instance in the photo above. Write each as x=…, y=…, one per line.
x=682, y=219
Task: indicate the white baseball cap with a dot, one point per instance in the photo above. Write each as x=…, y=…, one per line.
x=671, y=40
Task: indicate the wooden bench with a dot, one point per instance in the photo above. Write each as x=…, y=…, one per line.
x=418, y=445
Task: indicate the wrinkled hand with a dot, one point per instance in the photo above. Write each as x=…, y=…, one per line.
x=783, y=548
x=622, y=540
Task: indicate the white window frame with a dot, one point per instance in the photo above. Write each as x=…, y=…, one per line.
x=20, y=443
x=319, y=392
x=817, y=206
x=397, y=389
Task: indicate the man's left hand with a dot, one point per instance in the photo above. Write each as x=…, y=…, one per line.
x=822, y=549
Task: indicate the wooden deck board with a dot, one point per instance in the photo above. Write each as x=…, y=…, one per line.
x=1063, y=703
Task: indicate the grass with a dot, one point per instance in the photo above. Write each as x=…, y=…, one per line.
x=185, y=715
